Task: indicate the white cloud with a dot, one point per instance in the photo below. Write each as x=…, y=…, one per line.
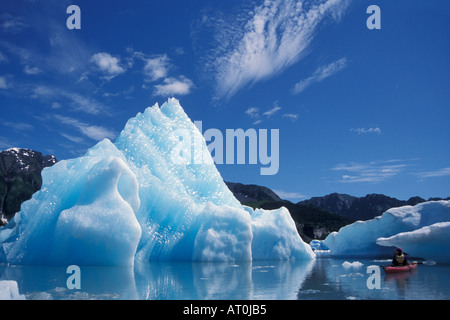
x=107, y=64
x=31, y=70
x=290, y=116
x=252, y=113
x=173, y=86
x=320, y=74
x=274, y=36
x=272, y=111
x=156, y=68
x=366, y=130
x=42, y=91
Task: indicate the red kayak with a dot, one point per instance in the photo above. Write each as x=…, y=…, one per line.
x=392, y=269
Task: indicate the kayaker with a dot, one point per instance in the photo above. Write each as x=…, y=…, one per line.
x=399, y=258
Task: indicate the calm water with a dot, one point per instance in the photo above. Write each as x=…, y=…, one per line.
x=269, y=280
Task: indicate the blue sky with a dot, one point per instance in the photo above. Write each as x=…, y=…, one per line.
x=359, y=111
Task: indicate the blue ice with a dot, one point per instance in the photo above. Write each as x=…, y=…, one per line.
x=153, y=195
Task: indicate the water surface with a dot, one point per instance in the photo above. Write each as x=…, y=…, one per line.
x=323, y=278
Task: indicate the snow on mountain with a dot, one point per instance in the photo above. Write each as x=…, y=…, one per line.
x=19, y=178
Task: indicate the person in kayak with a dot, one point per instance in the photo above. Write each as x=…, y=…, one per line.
x=399, y=258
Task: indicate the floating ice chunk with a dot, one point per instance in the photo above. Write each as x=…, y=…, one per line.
x=275, y=236
x=430, y=242
x=354, y=264
x=360, y=238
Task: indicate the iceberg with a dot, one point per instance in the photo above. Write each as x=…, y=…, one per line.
x=420, y=226
x=430, y=242
x=83, y=213
x=275, y=236
x=152, y=195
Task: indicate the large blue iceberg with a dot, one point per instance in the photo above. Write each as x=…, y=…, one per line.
x=153, y=195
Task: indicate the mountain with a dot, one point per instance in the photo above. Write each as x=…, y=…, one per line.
x=319, y=216
x=248, y=193
x=360, y=208
x=312, y=222
x=20, y=177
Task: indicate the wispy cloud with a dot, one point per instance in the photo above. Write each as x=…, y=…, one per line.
x=376, y=130
x=273, y=36
x=17, y=126
x=65, y=53
x=320, y=74
x=3, y=83
x=156, y=68
x=31, y=70
x=6, y=143
x=12, y=24
x=272, y=111
x=3, y=58
x=93, y=132
x=254, y=113
x=433, y=174
x=291, y=116
x=77, y=101
x=72, y=138
x=372, y=172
